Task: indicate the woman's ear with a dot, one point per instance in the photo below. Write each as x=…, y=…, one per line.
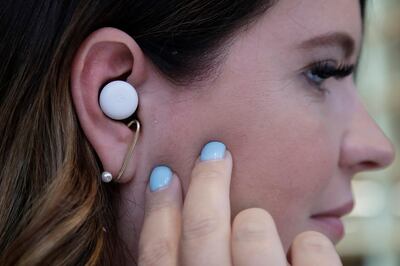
x=107, y=54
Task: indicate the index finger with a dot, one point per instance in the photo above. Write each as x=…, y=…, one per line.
x=206, y=212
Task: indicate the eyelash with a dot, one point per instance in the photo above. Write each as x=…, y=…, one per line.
x=319, y=72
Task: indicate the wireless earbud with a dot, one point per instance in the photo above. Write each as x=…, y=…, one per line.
x=118, y=100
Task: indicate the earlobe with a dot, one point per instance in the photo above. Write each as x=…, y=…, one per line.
x=107, y=55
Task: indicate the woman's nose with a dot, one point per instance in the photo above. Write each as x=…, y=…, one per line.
x=364, y=145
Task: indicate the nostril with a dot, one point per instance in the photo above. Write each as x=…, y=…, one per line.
x=370, y=165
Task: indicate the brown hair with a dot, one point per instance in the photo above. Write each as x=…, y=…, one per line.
x=53, y=206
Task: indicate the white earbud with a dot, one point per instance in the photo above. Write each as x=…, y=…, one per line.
x=118, y=100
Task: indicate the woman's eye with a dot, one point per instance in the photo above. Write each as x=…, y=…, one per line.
x=318, y=73
x=316, y=78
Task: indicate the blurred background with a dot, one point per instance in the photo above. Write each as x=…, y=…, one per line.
x=373, y=228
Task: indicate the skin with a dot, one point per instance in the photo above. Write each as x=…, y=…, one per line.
x=294, y=148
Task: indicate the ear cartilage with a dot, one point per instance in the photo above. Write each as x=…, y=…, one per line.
x=118, y=100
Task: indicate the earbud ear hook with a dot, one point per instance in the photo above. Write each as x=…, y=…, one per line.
x=119, y=100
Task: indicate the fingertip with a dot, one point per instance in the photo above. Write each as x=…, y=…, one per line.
x=163, y=184
x=228, y=155
x=311, y=247
x=176, y=183
x=253, y=224
x=165, y=196
x=162, y=178
x=214, y=150
x=312, y=240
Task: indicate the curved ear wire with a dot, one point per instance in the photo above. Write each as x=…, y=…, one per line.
x=130, y=149
x=107, y=177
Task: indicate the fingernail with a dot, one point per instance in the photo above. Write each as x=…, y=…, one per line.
x=160, y=178
x=213, y=150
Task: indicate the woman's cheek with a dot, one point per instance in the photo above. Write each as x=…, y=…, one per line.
x=283, y=167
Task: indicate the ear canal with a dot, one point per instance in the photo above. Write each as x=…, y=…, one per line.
x=118, y=100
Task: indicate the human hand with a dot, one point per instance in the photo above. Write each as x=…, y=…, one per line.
x=198, y=230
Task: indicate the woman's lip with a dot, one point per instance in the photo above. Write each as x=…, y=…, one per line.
x=336, y=212
x=329, y=222
x=331, y=226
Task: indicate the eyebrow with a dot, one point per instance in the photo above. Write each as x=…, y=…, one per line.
x=340, y=39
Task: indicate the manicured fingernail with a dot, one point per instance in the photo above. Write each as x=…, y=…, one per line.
x=160, y=178
x=214, y=150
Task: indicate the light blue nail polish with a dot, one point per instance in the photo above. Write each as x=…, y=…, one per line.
x=160, y=178
x=214, y=150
